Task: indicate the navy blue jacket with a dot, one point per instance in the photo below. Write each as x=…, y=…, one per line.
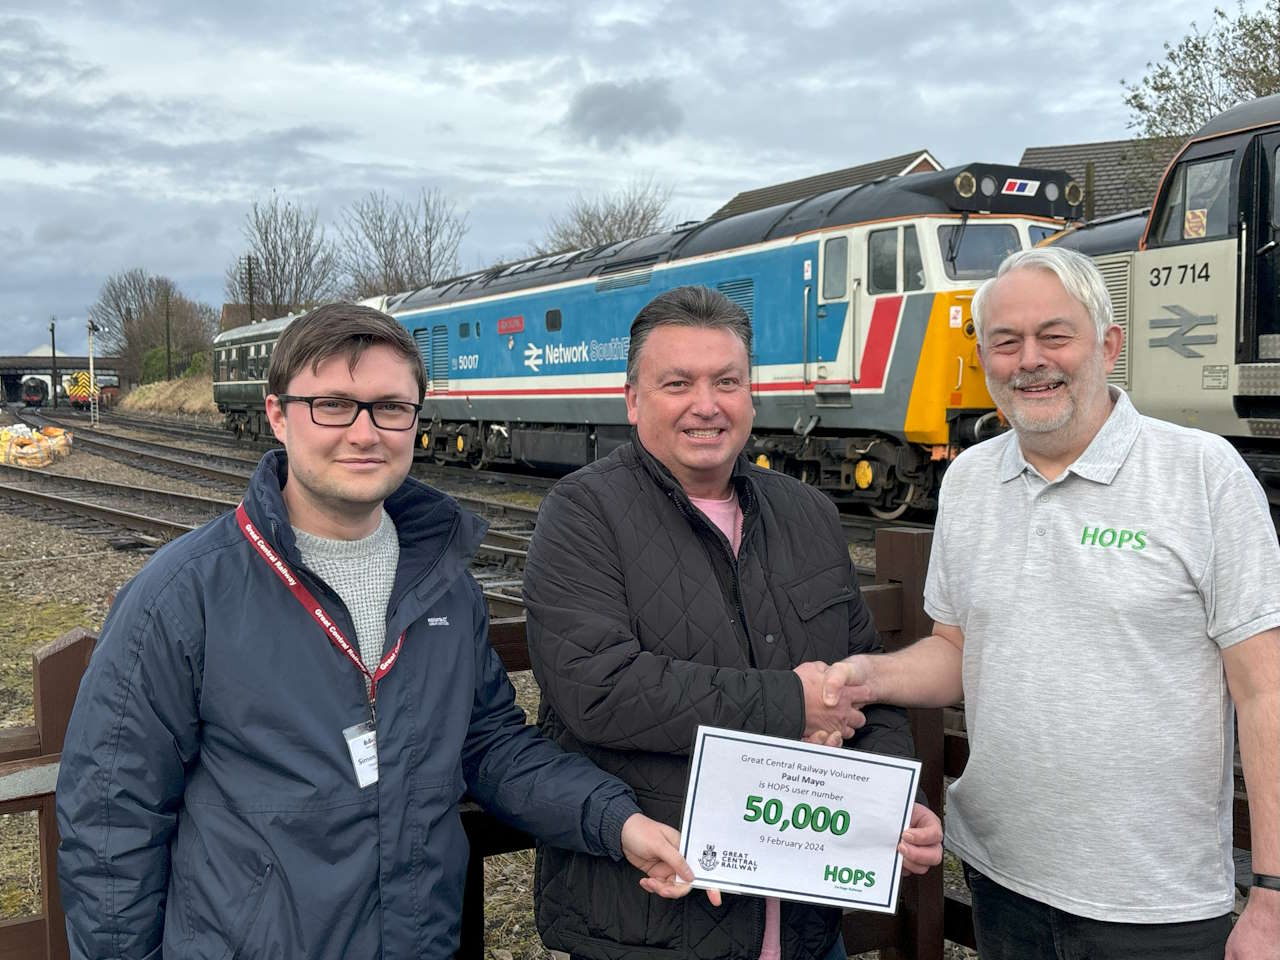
x=206, y=800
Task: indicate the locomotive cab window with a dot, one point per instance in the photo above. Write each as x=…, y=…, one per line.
x=554, y=321
x=1197, y=205
x=1037, y=233
x=885, y=272
x=973, y=251
x=882, y=261
x=464, y=331
x=835, y=268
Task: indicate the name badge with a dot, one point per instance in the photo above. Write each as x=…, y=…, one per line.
x=789, y=819
x=362, y=742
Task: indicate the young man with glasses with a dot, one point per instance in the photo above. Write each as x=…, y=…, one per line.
x=269, y=745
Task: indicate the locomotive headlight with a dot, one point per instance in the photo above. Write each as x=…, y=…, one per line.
x=966, y=185
x=988, y=186
x=1051, y=191
x=1074, y=193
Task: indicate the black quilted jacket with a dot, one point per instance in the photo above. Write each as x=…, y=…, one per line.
x=641, y=627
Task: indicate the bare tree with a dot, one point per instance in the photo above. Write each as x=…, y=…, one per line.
x=135, y=311
x=1236, y=59
x=637, y=209
x=388, y=246
x=295, y=267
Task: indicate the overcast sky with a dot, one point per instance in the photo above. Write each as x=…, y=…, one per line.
x=137, y=135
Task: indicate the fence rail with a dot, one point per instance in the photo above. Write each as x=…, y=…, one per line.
x=926, y=915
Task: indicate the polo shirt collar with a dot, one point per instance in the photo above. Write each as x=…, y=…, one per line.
x=1101, y=460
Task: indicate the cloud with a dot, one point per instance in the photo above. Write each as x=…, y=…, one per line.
x=608, y=114
x=64, y=232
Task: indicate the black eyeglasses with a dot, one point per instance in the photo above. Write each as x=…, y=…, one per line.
x=342, y=411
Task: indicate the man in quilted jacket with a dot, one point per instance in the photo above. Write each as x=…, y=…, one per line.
x=674, y=584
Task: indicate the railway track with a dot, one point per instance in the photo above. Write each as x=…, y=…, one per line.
x=170, y=461
x=862, y=530
x=99, y=508
x=424, y=467
x=211, y=436
x=161, y=426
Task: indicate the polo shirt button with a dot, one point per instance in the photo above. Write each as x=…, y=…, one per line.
x=768, y=638
x=1039, y=531
x=1044, y=499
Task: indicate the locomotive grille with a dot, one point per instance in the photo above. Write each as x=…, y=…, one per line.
x=422, y=337
x=741, y=292
x=440, y=357
x=632, y=278
x=1115, y=273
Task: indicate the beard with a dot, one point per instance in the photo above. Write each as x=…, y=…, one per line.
x=1074, y=402
x=1022, y=414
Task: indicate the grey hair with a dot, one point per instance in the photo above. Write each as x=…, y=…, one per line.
x=686, y=307
x=1080, y=278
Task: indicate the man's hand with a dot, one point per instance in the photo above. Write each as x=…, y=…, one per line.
x=1256, y=935
x=838, y=716
x=849, y=678
x=921, y=844
x=654, y=848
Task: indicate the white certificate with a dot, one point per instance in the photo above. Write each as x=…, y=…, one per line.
x=789, y=819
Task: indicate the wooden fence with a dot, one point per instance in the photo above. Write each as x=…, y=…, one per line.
x=926, y=914
x=28, y=771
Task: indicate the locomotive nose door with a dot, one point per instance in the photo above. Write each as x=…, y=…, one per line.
x=827, y=340
x=1261, y=252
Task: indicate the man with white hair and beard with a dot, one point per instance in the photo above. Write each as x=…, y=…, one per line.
x=1104, y=589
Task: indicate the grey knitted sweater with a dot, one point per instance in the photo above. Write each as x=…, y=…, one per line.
x=361, y=572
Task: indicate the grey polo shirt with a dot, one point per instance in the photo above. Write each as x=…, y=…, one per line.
x=1094, y=609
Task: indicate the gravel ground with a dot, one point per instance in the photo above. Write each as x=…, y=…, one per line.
x=862, y=555
x=93, y=467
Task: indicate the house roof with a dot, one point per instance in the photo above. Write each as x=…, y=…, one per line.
x=763, y=197
x=1126, y=173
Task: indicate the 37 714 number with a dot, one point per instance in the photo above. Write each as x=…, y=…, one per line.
x=802, y=816
x=1181, y=273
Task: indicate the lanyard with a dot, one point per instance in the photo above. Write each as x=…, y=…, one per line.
x=312, y=606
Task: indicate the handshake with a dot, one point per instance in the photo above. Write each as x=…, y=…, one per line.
x=834, y=695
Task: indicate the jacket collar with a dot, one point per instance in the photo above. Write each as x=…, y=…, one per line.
x=743, y=483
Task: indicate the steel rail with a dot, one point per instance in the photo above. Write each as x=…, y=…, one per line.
x=119, y=518
x=105, y=488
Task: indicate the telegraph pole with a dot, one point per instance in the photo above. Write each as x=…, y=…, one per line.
x=53, y=361
x=168, y=344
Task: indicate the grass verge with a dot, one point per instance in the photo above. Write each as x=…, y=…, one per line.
x=192, y=396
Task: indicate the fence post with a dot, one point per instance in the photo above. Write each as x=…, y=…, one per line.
x=902, y=556
x=57, y=668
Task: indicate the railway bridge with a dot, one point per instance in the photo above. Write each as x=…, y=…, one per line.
x=15, y=369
